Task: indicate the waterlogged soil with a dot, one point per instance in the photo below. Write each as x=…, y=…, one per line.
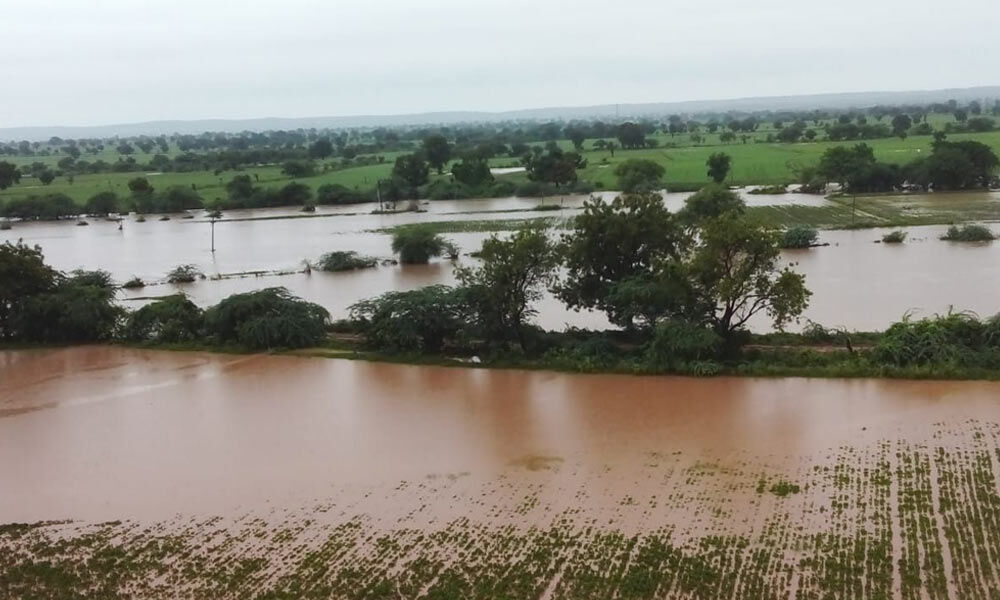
x=132, y=473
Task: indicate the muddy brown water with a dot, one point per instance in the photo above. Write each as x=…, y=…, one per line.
x=856, y=284
x=107, y=432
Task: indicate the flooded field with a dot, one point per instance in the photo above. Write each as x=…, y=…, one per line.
x=158, y=474
x=856, y=283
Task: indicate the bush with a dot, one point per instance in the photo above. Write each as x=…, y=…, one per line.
x=417, y=244
x=81, y=308
x=268, y=318
x=134, y=283
x=954, y=339
x=969, y=233
x=184, y=274
x=333, y=193
x=171, y=319
x=676, y=342
x=345, y=261
x=299, y=168
x=799, y=237
x=894, y=237
x=421, y=320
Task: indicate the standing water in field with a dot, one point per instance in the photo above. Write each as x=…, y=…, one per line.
x=283, y=463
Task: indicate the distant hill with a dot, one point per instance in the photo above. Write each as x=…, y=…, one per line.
x=803, y=102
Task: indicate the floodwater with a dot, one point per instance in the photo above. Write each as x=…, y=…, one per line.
x=856, y=284
x=275, y=475
x=110, y=432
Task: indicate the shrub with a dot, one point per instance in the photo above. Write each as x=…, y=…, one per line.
x=134, y=283
x=267, y=318
x=345, y=261
x=417, y=320
x=894, y=237
x=417, y=244
x=299, y=168
x=184, y=274
x=333, y=193
x=676, y=342
x=171, y=319
x=969, y=233
x=956, y=338
x=799, y=237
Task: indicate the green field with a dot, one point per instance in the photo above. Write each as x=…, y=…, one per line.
x=755, y=162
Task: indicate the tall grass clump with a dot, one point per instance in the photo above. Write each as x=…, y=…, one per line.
x=969, y=233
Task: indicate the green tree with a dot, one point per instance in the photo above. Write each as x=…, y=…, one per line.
x=631, y=135
x=9, y=175
x=615, y=259
x=556, y=167
x=411, y=170
x=709, y=202
x=23, y=274
x=438, y=152
x=736, y=273
x=901, y=123
x=841, y=163
x=240, y=188
x=416, y=244
x=718, y=164
x=577, y=136
x=178, y=198
x=103, y=203
x=472, y=172
x=46, y=176
x=639, y=175
x=170, y=319
x=80, y=308
x=511, y=278
x=321, y=149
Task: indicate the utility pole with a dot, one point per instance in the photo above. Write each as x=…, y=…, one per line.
x=212, y=219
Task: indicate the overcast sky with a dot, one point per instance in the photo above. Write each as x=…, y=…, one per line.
x=73, y=62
